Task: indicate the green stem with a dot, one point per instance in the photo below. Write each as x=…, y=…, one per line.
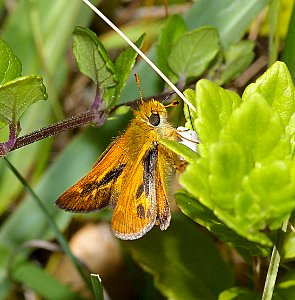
x=274, y=262
x=59, y=236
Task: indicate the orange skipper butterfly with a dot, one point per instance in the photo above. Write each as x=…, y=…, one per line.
x=132, y=175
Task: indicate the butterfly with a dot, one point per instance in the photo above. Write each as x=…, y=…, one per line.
x=132, y=175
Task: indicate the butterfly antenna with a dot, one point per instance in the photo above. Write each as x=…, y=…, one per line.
x=168, y=96
x=138, y=86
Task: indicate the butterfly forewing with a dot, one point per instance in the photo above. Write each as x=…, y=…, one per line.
x=101, y=186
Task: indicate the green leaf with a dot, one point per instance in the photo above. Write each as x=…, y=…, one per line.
x=236, y=178
x=258, y=128
x=195, y=181
x=228, y=164
x=17, y=95
x=237, y=58
x=214, y=107
x=92, y=59
x=57, y=20
x=193, y=51
x=268, y=202
x=205, y=217
x=123, y=65
x=232, y=19
x=10, y=66
x=43, y=283
x=238, y=293
x=172, y=30
x=184, y=261
x=285, y=289
x=277, y=87
x=185, y=152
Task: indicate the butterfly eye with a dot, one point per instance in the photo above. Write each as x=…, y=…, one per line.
x=154, y=119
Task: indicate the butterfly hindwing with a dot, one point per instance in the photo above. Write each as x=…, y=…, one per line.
x=136, y=209
x=164, y=172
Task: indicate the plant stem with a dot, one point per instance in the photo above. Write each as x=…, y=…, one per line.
x=97, y=118
x=274, y=262
x=59, y=236
x=7, y=146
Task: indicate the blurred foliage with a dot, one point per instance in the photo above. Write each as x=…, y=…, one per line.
x=239, y=186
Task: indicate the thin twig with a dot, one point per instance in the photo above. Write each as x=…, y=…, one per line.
x=97, y=118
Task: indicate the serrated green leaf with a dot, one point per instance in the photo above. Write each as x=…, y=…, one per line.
x=214, y=107
x=173, y=28
x=213, y=182
x=245, y=230
x=228, y=164
x=205, y=217
x=258, y=129
x=235, y=177
x=237, y=58
x=193, y=51
x=184, y=261
x=195, y=181
x=277, y=87
x=17, y=95
x=123, y=65
x=10, y=66
x=92, y=59
x=270, y=201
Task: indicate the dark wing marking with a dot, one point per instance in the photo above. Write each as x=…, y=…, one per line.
x=109, y=177
x=149, y=171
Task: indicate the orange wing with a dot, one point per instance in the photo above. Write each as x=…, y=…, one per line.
x=136, y=209
x=165, y=168
x=101, y=186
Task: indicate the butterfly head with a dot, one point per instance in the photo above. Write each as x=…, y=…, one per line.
x=153, y=113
